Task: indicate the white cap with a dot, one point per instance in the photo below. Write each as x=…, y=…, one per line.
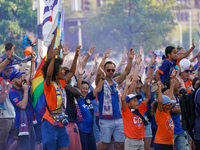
x=184, y=64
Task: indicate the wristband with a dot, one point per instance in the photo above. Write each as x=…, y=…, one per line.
x=151, y=66
x=32, y=60
x=6, y=91
x=102, y=78
x=8, y=58
x=92, y=74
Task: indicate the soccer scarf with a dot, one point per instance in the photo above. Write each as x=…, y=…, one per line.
x=107, y=112
x=60, y=96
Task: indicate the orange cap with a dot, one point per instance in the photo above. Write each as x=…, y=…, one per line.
x=28, y=51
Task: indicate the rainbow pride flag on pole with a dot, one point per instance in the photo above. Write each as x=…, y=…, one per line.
x=51, y=20
x=37, y=91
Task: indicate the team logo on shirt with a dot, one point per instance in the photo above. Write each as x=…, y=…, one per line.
x=137, y=121
x=15, y=100
x=169, y=124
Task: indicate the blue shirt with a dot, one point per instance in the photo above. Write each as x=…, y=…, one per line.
x=87, y=111
x=115, y=102
x=167, y=68
x=197, y=65
x=176, y=119
x=15, y=99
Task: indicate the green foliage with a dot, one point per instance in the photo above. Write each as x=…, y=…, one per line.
x=16, y=19
x=129, y=23
x=186, y=42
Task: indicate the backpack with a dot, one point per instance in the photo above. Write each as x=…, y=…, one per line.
x=187, y=105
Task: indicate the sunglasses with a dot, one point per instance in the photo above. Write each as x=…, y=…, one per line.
x=108, y=70
x=188, y=71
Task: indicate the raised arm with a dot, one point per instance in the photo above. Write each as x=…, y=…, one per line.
x=89, y=53
x=186, y=54
x=51, y=67
x=122, y=77
x=148, y=93
x=100, y=84
x=73, y=66
x=7, y=60
x=105, y=56
x=123, y=99
x=135, y=75
x=80, y=73
x=23, y=103
x=160, y=100
x=65, y=50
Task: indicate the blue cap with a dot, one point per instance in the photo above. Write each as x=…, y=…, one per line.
x=130, y=96
x=15, y=74
x=167, y=100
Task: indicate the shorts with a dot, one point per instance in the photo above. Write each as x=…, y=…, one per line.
x=54, y=137
x=38, y=132
x=111, y=127
x=131, y=144
x=181, y=141
x=148, y=131
x=6, y=128
x=162, y=147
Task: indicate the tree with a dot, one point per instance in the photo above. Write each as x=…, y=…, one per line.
x=129, y=23
x=16, y=19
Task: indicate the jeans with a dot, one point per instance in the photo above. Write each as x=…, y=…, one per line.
x=87, y=141
x=181, y=141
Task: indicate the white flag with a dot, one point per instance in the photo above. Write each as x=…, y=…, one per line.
x=50, y=20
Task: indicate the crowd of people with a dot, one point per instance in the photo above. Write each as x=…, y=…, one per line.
x=134, y=105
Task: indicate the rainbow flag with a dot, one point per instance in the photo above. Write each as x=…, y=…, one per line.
x=37, y=91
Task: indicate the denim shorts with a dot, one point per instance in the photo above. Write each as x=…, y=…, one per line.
x=38, y=132
x=181, y=141
x=54, y=137
x=111, y=127
x=148, y=131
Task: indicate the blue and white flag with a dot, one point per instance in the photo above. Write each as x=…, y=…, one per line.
x=50, y=20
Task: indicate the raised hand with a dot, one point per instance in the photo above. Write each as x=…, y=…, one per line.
x=65, y=49
x=81, y=58
x=148, y=81
x=55, y=52
x=12, y=51
x=80, y=69
x=153, y=60
x=103, y=74
x=92, y=48
x=159, y=83
x=128, y=80
x=95, y=58
x=33, y=55
x=131, y=54
x=78, y=50
x=137, y=59
x=107, y=53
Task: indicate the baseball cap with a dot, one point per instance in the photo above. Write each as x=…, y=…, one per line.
x=184, y=64
x=167, y=100
x=130, y=96
x=15, y=74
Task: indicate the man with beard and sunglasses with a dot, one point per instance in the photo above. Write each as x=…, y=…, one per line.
x=186, y=71
x=111, y=123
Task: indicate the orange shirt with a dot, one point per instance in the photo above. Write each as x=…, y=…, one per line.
x=133, y=124
x=50, y=94
x=165, y=131
x=188, y=85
